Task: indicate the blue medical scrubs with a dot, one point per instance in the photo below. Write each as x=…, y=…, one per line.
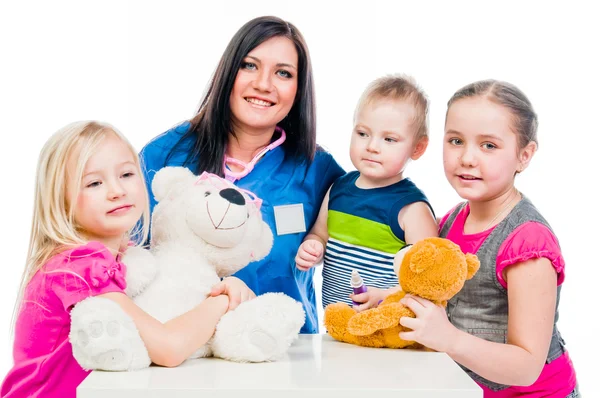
x=277, y=180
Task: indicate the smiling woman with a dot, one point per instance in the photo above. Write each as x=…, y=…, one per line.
x=264, y=90
x=256, y=126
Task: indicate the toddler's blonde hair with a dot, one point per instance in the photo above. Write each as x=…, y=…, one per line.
x=399, y=88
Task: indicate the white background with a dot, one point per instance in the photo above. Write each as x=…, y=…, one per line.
x=143, y=66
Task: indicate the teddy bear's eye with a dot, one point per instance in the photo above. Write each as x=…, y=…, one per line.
x=206, y=193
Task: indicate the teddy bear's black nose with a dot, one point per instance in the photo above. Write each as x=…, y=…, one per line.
x=233, y=196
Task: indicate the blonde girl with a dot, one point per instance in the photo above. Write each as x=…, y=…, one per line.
x=89, y=197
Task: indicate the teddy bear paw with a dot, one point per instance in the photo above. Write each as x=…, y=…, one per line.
x=370, y=321
x=111, y=358
x=104, y=337
x=263, y=342
x=259, y=330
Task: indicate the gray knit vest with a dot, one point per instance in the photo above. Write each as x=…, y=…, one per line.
x=481, y=307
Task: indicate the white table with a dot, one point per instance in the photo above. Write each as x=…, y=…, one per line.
x=315, y=366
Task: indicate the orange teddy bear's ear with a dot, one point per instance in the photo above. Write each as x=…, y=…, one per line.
x=472, y=265
x=423, y=258
x=399, y=257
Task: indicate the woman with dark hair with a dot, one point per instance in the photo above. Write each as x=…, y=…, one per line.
x=256, y=126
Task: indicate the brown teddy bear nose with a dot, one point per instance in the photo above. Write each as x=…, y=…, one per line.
x=233, y=196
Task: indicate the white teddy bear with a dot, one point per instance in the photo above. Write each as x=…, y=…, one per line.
x=203, y=228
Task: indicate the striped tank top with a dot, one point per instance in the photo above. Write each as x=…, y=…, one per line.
x=364, y=234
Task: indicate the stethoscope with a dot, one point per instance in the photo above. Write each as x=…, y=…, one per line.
x=232, y=176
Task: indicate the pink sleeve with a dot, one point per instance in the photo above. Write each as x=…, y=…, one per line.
x=531, y=240
x=87, y=271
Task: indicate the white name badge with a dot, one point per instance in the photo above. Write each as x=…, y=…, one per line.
x=289, y=219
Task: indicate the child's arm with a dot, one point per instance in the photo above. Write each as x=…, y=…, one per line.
x=417, y=222
x=532, y=301
x=312, y=248
x=171, y=343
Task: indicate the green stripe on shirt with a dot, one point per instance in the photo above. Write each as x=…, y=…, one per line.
x=362, y=232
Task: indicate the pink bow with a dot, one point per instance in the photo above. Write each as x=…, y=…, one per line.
x=101, y=273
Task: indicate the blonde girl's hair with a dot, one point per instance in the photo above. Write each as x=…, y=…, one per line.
x=399, y=87
x=53, y=227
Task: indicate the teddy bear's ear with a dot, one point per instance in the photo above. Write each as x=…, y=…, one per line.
x=472, y=265
x=398, y=259
x=424, y=257
x=169, y=177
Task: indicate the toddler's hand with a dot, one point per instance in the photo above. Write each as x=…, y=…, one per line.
x=310, y=253
x=369, y=299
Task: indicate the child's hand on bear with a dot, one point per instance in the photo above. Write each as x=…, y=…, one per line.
x=372, y=297
x=235, y=288
x=430, y=326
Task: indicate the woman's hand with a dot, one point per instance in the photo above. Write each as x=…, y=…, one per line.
x=431, y=326
x=235, y=289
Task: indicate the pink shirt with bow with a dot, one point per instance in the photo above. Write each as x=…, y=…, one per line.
x=43, y=359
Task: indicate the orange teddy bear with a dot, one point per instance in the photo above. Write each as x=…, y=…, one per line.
x=433, y=268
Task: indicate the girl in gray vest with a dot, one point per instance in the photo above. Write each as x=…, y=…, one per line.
x=501, y=328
